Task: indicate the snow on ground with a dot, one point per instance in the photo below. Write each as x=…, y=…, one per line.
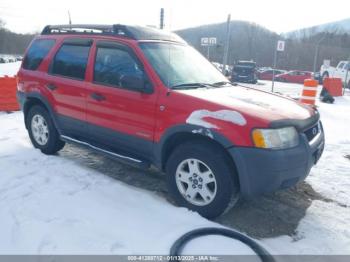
x=53, y=205
x=9, y=69
x=49, y=204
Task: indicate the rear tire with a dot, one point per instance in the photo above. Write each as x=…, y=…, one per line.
x=42, y=131
x=201, y=178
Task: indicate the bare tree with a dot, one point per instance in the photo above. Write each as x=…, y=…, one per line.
x=2, y=24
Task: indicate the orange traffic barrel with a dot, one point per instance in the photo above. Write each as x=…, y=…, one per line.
x=309, y=93
x=8, y=88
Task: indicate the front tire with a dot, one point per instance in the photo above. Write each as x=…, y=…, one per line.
x=201, y=178
x=42, y=131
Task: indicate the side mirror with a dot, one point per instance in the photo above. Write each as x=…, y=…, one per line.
x=138, y=83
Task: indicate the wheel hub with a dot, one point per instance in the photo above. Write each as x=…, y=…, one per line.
x=40, y=129
x=196, y=182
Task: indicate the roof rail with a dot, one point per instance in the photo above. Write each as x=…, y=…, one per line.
x=133, y=32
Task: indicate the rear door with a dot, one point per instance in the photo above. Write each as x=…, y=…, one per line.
x=66, y=82
x=268, y=75
x=291, y=77
x=120, y=117
x=301, y=76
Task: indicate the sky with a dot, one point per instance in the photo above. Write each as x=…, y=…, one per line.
x=27, y=16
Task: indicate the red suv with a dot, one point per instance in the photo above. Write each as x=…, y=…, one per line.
x=145, y=97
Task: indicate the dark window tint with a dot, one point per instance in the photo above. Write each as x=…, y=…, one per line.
x=71, y=61
x=37, y=52
x=113, y=64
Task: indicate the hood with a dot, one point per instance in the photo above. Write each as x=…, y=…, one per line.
x=256, y=103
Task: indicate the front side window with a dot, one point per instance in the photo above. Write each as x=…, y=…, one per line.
x=113, y=64
x=178, y=64
x=37, y=52
x=71, y=61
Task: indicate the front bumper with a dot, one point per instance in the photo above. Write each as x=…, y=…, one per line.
x=263, y=170
x=246, y=78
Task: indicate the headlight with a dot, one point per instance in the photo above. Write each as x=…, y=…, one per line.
x=276, y=138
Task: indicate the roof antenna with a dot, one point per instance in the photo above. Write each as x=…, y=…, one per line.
x=70, y=20
x=161, y=24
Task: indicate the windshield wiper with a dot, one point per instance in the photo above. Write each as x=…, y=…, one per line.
x=222, y=83
x=190, y=86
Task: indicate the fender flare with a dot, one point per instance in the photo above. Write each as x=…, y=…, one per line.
x=42, y=99
x=186, y=129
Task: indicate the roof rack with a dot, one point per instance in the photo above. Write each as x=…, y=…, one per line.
x=133, y=32
x=86, y=29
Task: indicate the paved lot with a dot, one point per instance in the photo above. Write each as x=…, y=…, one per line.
x=278, y=213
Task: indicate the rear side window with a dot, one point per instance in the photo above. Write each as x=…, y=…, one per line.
x=71, y=61
x=37, y=52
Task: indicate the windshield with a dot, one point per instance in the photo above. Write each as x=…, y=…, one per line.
x=240, y=69
x=178, y=64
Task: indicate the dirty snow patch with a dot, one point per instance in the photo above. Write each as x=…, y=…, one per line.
x=197, y=117
x=204, y=132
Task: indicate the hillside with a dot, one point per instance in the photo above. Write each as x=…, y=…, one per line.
x=252, y=42
x=12, y=43
x=339, y=27
x=248, y=41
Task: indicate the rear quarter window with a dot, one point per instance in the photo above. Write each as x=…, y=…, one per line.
x=37, y=52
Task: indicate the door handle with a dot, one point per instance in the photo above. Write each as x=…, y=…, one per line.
x=97, y=97
x=52, y=87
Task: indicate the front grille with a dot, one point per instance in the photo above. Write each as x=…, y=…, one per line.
x=313, y=131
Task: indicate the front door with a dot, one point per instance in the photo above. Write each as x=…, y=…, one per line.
x=119, y=117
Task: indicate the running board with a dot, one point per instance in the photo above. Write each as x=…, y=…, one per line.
x=126, y=159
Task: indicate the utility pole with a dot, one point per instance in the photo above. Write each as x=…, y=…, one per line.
x=278, y=48
x=346, y=82
x=315, y=58
x=69, y=18
x=161, y=26
x=227, y=44
x=317, y=51
x=273, y=69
